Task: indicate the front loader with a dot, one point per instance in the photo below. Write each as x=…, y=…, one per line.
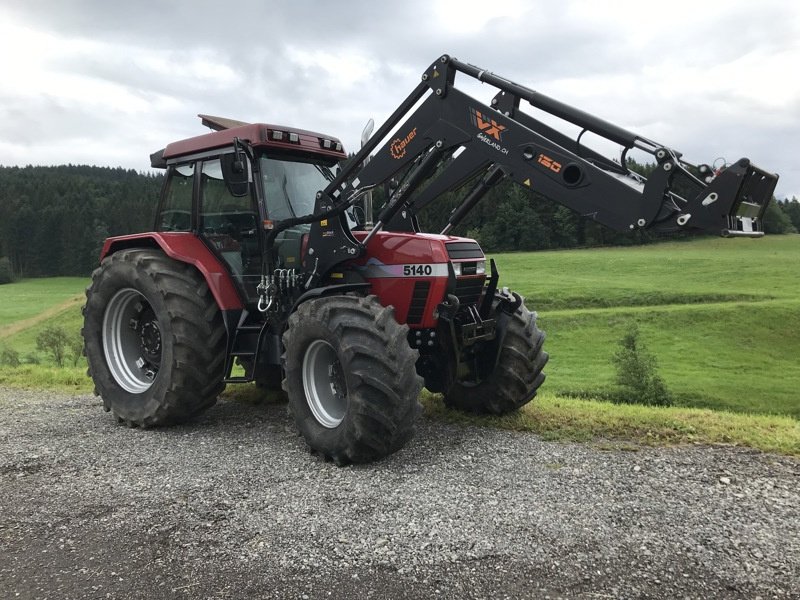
x=264, y=264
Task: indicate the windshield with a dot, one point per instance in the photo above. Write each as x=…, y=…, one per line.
x=290, y=186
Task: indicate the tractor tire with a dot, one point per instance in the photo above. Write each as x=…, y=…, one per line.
x=154, y=339
x=517, y=376
x=350, y=377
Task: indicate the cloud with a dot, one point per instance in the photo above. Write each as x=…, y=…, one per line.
x=108, y=83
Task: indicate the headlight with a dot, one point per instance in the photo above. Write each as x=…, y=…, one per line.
x=457, y=269
x=480, y=267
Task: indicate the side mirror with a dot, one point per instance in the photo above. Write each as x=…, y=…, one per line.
x=367, y=132
x=235, y=171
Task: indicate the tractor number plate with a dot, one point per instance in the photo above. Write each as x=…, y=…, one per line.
x=373, y=270
x=417, y=270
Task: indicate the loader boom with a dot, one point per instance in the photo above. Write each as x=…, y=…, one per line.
x=440, y=138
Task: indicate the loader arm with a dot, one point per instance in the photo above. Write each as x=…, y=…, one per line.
x=440, y=138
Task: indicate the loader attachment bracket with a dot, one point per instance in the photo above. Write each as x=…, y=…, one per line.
x=735, y=200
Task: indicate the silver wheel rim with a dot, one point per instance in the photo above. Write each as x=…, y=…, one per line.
x=323, y=383
x=132, y=347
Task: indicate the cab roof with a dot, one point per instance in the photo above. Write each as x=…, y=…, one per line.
x=261, y=135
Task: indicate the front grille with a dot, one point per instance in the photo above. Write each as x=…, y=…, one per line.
x=419, y=299
x=462, y=250
x=468, y=290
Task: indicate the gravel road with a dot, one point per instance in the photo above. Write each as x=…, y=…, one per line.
x=233, y=506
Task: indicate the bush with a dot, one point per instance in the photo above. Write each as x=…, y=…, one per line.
x=53, y=340
x=6, y=272
x=9, y=357
x=76, y=349
x=637, y=373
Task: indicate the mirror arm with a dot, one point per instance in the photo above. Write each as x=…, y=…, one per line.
x=238, y=162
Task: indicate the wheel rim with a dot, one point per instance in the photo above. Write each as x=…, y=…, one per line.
x=132, y=341
x=324, y=385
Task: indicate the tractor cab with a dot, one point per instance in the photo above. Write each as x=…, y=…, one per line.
x=230, y=186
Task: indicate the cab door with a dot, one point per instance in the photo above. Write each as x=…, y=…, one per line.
x=228, y=219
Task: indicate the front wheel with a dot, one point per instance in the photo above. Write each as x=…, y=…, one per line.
x=517, y=376
x=350, y=377
x=154, y=338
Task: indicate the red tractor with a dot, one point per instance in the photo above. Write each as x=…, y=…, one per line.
x=264, y=255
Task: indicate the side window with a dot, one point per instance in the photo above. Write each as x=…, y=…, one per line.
x=176, y=209
x=230, y=224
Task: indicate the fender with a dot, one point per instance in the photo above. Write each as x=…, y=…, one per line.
x=184, y=247
x=329, y=290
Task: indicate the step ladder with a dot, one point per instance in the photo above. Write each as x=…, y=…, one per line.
x=244, y=346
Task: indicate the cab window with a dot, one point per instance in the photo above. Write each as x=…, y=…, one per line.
x=176, y=207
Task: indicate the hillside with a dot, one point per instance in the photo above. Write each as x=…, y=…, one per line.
x=53, y=220
x=721, y=315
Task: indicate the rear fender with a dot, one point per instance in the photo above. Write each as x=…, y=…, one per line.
x=185, y=247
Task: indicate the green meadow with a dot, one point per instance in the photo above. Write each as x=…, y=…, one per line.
x=721, y=316
x=28, y=299
x=26, y=308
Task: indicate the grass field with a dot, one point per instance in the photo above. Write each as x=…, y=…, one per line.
x=721, y=316
x=26, y=306
x=25, y=300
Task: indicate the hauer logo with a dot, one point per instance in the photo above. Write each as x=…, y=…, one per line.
x=398, y=146
x=487, y=126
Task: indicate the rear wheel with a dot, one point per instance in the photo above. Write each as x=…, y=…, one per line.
x=350, y=377
x=517, y=376
x=154, y=338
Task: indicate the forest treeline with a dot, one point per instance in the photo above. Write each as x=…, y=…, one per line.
x=53, y=220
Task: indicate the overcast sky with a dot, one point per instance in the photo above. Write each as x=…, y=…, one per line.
x=107, y=83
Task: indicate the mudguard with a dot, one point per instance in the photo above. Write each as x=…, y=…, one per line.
x=188, y=248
